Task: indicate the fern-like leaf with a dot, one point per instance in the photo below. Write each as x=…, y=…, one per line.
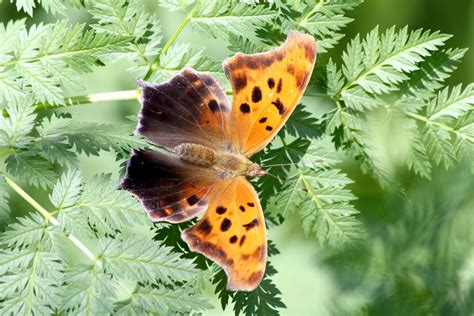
x=141, y=259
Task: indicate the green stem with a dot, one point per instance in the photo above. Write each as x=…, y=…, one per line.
x=440, y=125
x=30, y=200
x=171, y=41
x=48, y=216
x=93, y=98
x=309, y=14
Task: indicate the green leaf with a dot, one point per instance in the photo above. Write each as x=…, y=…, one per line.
x=180, y=55
x=4, y=196
x=130, y=19
x=438, y=145
x=163, y=301
x=433, y=71
x=26, y=233
x=47, y=59
x=90, y=138
x=51, y=6
x=66, y=191
x=221, y=18
x=318, y=193
x=104, y=207
x=381, y=62
x=88, y=290
x=452, y=104
x=334, y=80
x=139, y=258
x=303, y=124
x=18, y=125
x=30, y=275
x=31, y=168
x=57, y=151
x=240, y=44
x=175, y=5
x=325, y=20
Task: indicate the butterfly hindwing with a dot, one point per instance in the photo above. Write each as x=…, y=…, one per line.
x=190, y=108
x=232, y=233
x=169, y=189
x=267, y=87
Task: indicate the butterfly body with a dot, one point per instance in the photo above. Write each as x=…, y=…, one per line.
x=224, y=163
x=212, y=142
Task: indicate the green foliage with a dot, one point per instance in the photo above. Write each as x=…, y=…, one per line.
x=391, y=81
x=221, y=18
x=59, y=7
x=182, y=55
x=46, y=60
x=124, y=18
x=322, y=19
x=4, y=209
x=398, y=73
x=318, y=192
x=34, y=260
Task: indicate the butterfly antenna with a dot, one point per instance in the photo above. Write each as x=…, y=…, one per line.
x=268, y=173
x=290, y=164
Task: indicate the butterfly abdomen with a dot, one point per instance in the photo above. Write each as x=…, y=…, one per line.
x=196, y=154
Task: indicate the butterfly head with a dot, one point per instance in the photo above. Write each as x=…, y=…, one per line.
x=255, y=171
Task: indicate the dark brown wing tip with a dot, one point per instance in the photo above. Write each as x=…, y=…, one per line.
x=293, y=38
x=195, y=244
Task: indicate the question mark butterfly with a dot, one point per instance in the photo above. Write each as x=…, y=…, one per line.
x=211, y=143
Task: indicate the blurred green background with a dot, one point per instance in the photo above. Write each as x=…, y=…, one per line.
x=419, y=254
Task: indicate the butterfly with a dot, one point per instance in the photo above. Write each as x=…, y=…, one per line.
x=208, y=144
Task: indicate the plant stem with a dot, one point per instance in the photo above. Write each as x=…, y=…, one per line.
x=309, y=14
x=171, y=41
x=49, y=218
x=94, y=98
x=440, y=125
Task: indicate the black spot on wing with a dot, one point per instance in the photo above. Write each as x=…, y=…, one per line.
x=251, y=225
x=233, y=239
x=240, y=82
x=245, y=108
x=279, y=86
x=263, y=120
x=213, y=106
x=193, y=199
x=225, y=224
x=242, y=240
x=256, y=95
x=205, y=227
x=269, y=128
x=221, y=210
x=271, y=83
x=242, y=208
x=251, y=204
x=281, y=108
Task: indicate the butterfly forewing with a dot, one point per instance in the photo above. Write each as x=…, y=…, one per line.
x=190, y=108
x=267, y=88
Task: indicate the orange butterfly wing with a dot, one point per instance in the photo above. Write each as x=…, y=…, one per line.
x=193, y=108
x=232, y=233
x=267, y=88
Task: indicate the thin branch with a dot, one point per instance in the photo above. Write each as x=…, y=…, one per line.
x=48, y=216
x=93, y=98
x=51, y=219
x=440, y=125
x=171, y=41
